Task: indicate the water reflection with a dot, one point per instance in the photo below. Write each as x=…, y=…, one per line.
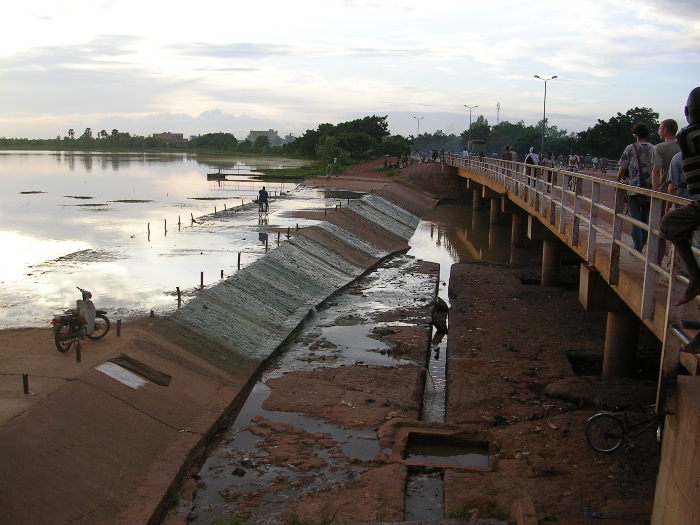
x=122, y=226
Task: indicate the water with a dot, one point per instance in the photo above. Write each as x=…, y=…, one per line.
x=83, y=220
x=339, y=334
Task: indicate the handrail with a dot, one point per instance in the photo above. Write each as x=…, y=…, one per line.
x=588, y=212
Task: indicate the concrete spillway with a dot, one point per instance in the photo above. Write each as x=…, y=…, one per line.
x=253, y=312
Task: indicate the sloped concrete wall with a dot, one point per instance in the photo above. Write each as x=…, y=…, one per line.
x=253, y=312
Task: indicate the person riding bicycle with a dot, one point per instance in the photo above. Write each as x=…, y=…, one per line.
x=262, y=200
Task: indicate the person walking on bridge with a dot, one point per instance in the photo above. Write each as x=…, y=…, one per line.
x=679, y=224
x=637, y=160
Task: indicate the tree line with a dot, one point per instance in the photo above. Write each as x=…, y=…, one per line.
x=604, y=139
x=369, y=137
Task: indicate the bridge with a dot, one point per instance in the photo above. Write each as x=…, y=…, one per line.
x=587, y=213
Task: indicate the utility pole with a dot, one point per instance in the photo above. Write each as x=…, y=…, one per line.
x=469, y=140
x=544, y=108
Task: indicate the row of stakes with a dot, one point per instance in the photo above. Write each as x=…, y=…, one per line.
x=78, y=347
x=338, y=205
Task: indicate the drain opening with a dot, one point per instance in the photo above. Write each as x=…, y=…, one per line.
x=437, y=449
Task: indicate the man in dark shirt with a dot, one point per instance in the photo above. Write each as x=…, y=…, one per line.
x=262, y=200
x=679, y=224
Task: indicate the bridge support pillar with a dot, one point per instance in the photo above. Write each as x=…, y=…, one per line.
x=551, y=262
x=518, y=229
x=476, y=199
x=621, y=338
x=494, y=212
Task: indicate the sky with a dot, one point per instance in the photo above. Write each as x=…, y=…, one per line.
x=209, y=66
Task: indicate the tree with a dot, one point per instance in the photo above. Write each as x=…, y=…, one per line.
x=261, y=142
x=609, y=139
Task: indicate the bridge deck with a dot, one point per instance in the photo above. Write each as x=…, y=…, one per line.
x=587, y=213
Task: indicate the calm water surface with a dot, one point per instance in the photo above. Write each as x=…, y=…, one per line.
x=70, y=220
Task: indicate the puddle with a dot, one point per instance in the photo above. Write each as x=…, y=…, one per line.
x=424, y=497
x=239, y=469
x=434, y=449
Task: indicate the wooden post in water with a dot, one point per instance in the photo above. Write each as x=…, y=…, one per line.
x=179, y=224
x=201, y=279
x=239, y=260
x=179, y=296
x=165, y=225
x=25, y=383
x=222, y=274
x=119, y=327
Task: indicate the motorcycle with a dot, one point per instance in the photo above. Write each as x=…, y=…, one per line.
x=76, y=324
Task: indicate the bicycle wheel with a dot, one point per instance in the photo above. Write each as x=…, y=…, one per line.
x=605, y=433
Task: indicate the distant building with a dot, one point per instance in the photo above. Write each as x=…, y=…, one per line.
x=175, y=138
x=273, y=138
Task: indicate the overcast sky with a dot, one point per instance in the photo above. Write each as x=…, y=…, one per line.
x=150, y=66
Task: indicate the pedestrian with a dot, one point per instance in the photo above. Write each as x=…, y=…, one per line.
x=531, y=159
x=661, y=159
x=637, y=160
x=263, y=204
x=679, y=224
x=548, y=162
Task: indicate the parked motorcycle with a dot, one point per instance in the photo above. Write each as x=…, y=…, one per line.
x=79, y=323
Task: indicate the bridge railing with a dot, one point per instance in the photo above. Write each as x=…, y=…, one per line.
x=590, y=214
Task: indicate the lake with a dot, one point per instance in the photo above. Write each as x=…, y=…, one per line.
x=83, y=219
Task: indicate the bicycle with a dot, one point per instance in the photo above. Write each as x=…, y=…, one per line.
x=606, y=431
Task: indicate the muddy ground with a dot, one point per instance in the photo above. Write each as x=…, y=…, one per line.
x=523, y=375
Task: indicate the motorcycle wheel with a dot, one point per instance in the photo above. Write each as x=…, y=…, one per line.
x=60, y=339
x=102, y=325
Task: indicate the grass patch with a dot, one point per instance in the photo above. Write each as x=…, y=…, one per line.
x=78, y=197
x=233, y=520
x=30, y=192
x=133, y=201
x=208, y=198
x=293, y=518
x=484, y=511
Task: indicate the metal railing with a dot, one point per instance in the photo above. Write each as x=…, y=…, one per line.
x=590, y=214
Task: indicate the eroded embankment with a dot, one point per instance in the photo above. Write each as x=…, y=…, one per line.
x=250, y=314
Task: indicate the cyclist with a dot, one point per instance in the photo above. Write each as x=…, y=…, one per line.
x=262, y=200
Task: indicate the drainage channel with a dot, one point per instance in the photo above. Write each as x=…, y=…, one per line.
x=238, y=478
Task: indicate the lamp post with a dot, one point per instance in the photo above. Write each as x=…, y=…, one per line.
x=469, y=139
x=418, y=119
x=544, y=108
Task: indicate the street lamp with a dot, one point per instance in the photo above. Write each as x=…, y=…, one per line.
x=469, y=140
x=418, y=119
x=544, y=108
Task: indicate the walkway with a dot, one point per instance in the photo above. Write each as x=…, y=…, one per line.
x=587, y=213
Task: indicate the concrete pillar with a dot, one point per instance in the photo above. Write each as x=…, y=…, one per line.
x=621, y=338
x=518, y=229
x=551, y=262
x=494, y=212
x=476, y=199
